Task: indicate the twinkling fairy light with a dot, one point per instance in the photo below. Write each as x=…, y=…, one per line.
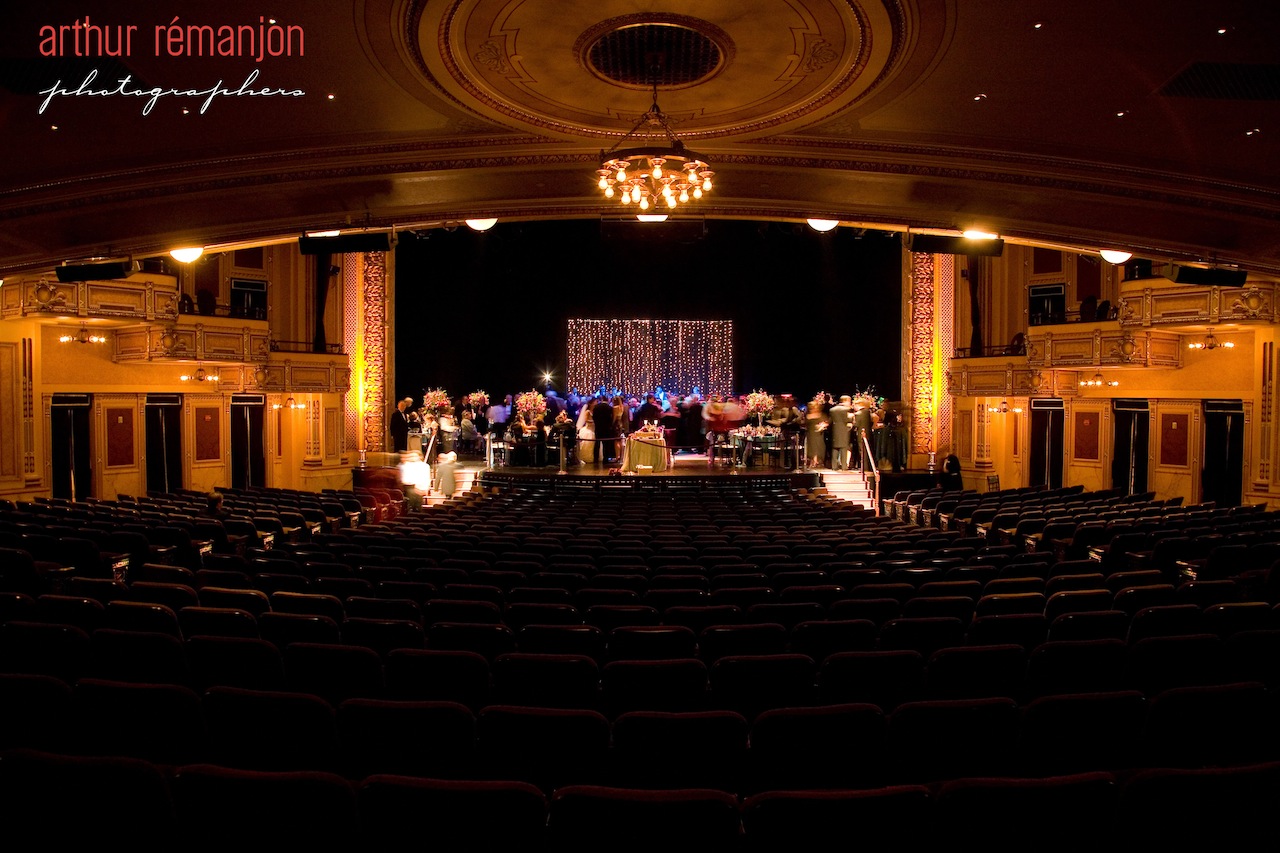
x=639, y=355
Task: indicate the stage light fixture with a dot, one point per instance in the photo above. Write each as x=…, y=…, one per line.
x=187, y=254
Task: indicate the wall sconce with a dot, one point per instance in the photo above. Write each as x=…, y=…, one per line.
x=199, y=376
x=1211, y=342
x=289, y=404
x=82, y=337
x=1004, y=408
x=1098, y=382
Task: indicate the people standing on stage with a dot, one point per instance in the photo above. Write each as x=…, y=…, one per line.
x=398, y=423
x=692, y=427
x=621, y=415
x=789, y=421
x=863, y=425
x=499, y=415
x=587, y=433
x=554, y=405
x=815, y=426
x=839, y=425
x=446, y=432
x=602, y=416
x=648, y=411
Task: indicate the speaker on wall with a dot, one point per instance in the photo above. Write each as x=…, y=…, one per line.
x=95, y=271
x=1200, y=275
x=372, y=242
x=936, y=244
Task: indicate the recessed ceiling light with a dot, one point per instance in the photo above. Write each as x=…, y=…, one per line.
x=331, y=96
x=823, y=225
x=1114, y=256
x=1038, y=25
x=1253, y=131
x=481, y=224
x=981, y=96
x=1121, y=113
x=1222, y=31
x=186, y=254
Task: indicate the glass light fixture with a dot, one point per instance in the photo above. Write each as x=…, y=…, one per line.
x=82, y=337
x=972, y=234
x=331, y=233
x=823, y=225
x=186, y=254
x=200, y=375
x=651, y=217
x=1211, y=342
x=1099, y=382
x=646, y=175
x=481, y=224
x=1114, y=256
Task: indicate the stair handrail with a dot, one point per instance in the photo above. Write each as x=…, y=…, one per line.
x=869, y=469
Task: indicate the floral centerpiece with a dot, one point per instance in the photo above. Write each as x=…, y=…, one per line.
x=437, y=402
x=531, y=404
x=759, y=403
x=753, y=431
x=478, y=400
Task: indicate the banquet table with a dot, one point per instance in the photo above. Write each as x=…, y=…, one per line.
x=645, y=450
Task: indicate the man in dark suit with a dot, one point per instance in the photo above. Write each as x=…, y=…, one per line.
x=398, y=423
x=862, y=423
x=605, y=429
x=839, y=428
x=648, y=411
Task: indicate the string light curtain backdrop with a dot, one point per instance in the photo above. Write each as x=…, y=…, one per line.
x=639, y=355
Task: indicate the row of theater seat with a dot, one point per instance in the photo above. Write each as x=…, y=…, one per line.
x=633, y=672
x=851, y=745
x=210, y=807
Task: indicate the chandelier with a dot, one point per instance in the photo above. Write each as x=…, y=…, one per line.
x=653, y=176
x=1211, y=342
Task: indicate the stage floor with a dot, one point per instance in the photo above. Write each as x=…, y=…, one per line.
x=688, y=470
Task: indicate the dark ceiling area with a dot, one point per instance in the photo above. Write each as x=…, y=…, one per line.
x=1147, y=125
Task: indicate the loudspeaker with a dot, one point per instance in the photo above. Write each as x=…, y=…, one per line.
x=372, y=242
x=934, y=244
x=672, y=230
x=1199, y=275
x=94, y=272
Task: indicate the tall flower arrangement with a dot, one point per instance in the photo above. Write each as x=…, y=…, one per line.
x=531, y=403
x=478, y=400
x=759, y=403
x=437, y=402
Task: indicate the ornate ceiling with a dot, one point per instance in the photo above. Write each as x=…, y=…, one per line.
x=1151, y=126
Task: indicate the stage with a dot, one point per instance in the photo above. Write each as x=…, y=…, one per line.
x=687, y=473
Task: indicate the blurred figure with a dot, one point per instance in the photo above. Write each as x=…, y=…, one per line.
x=815, y=427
